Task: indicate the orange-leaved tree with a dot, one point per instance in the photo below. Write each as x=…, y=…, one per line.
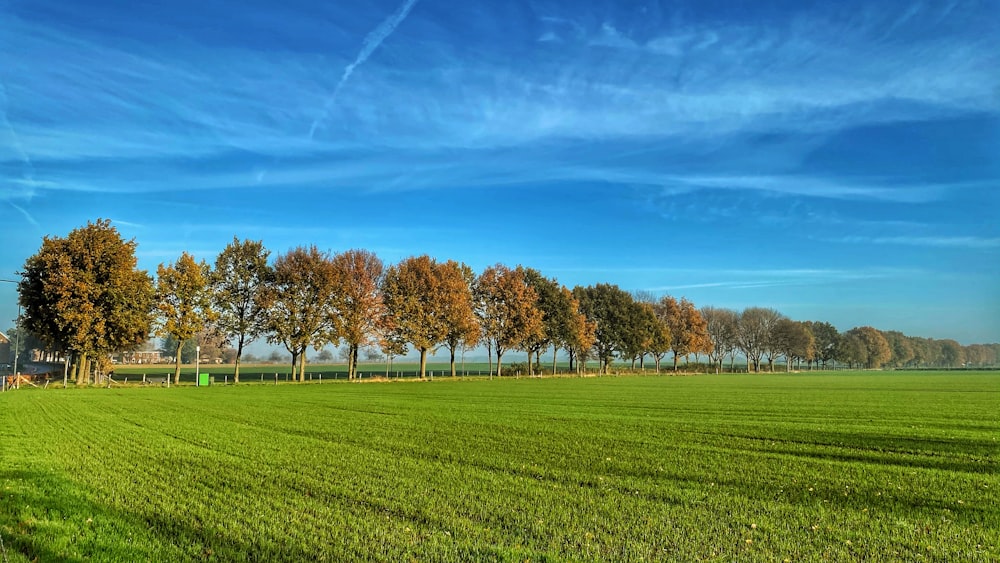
x=413, y=300
x=507, y=310
x=83, y=294
x=358, y=301
x=463, y=329
x=299, y=302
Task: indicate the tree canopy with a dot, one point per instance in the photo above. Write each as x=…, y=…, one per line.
x=238, y=282
x=83, y=294
x=184, y=301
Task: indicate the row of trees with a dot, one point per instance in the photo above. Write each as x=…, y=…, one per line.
x=84, y=295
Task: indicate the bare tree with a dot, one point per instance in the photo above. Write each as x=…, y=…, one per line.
x=753, y=333
x=722, y=326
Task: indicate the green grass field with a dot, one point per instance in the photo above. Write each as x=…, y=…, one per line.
x=866, y=467
x=264, y=373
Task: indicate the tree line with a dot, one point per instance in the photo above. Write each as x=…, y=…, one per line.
x=83, y=295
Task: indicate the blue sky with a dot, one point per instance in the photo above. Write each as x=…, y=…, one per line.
x=836, y=161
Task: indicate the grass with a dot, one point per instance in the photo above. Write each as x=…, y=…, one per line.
x=866, y=467
x=255, y=373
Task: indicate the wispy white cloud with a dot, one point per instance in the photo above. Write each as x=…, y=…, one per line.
x=129, y=224
x=970, y=242
x=17, y=189
x=694, y=81
x=770, y=278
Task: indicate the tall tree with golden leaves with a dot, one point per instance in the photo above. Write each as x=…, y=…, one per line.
x=507, y=310
x=358, y=301
x=412, y=291
x=688, y=329
x=459, y=314
x=581, y=335
x=83, y=294
x=299, y=300
x=183, y=301
x=873, y=348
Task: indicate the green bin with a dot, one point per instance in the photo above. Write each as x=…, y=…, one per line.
x=203, y=379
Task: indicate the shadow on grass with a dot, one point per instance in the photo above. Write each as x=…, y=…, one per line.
x=47, y=517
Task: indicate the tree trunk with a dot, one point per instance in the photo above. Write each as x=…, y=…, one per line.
x=499, y=359
x=65, y=370
x=302, y=365
x=489, y=357
x=295, y=362
x=239, y=353
x=675, y=362
x=538, y=360
x=177, y=362
x=572, y=358
x=555, y=353
x=452, y=349
x=423, y=363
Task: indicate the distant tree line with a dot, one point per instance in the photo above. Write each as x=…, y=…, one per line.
x=84, y=296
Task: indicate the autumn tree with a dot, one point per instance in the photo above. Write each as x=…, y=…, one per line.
x=979, y=354
x=507, y=309
x=559, y=316
x=866, y=345
x=899, y=346
x=238, y=283
x=391, y=344
x=721, y=325
x=641, y=330
x=660, y=341
x=299, y=300
x=793, y=340
x=850, y=349
x=688, y=330
x=578, y=335
x=457, y=308
x=651, y=334
x=358, y=301
x=609, y=308
x=209, y=340
x=952, y=354
x=183, y=301
x=825, y=338
x=83, y=294
x=412, y=291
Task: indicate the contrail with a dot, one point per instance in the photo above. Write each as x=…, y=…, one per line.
x=24, y=212
x=371, y=42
